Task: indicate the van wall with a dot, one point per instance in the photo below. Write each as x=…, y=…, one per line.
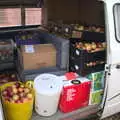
x=89, y=11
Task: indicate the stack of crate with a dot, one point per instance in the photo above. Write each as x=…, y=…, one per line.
x=6, y=54
x=87, y=53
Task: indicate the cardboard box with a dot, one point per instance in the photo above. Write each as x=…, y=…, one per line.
x=97, y=79
x=38, y=56
x=96, y=97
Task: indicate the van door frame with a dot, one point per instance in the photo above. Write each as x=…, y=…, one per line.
x=111, y=98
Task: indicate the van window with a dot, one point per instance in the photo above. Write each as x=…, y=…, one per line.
x=10, y=17
x=117, y=21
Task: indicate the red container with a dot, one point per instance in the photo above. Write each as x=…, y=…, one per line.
x=75, y=94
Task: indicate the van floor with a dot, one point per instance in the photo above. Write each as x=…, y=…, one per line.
x=91, y=117
x=75, y=115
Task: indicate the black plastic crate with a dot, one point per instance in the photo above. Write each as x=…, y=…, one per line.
x=88, y=35
x=83, y=54
x=88, y=32
x=74, y=40
x=82, y=69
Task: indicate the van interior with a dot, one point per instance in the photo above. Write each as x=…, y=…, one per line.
x=83, y=25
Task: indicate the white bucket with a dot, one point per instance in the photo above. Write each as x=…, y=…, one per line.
x=47, y=93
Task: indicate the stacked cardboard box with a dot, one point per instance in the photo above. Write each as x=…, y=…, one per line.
x=97, y=87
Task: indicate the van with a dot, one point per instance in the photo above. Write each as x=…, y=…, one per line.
x=107, y=13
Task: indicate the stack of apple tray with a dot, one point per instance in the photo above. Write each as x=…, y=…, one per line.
x=87, y=53
x=6, y=54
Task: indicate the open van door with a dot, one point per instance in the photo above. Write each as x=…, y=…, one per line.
x=111, y=101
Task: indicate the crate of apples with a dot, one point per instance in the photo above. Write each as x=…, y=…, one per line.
x=17, y=93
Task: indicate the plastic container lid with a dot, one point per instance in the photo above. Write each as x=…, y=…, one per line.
x=48, y=84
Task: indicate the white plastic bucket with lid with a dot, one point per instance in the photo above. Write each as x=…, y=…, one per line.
x=47, y=93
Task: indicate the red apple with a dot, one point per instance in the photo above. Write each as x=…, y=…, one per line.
x=22, y=94
x=9, y=89
x=6, y=98
x=10, y=94
x=4, y=93
x=17, y=84
x=18, y=101
x=25, y=100
x=20, y=89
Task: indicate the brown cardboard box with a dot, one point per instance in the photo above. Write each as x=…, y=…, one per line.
x=42, y=55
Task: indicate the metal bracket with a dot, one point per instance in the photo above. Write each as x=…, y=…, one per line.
x=107, y=68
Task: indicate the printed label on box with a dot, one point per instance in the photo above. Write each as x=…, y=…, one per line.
x=29, y=49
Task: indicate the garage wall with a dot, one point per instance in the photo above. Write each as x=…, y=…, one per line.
x=71, y=11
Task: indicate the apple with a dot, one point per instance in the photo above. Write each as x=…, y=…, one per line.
x=22, y=94
x=17, y=93
x=13, y=76
x=104, y=45
x=4, y=93
x=22, y=86
x=93, y=28
x=15, y=90
x=18, y=101
x=90, y=64
x=20, y=89
x=99, y=45
x=12, y=101
x=98, y=29
x=17, y=84
x=94, y=63
x=29, y=96
x=81, y=28
x=9, y=89
x=7, y=98
x=26, y=90
x=25, y=99
x=78, y=46
x=102, y=30
x=13, y=86
x=15, y=97
x=93, y=45
x=88, y=47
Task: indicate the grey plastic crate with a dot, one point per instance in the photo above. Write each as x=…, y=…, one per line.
x=6, y=50
x=62, y=47
x=32, y=74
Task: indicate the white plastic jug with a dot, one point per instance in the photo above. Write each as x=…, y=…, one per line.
x=47, y=93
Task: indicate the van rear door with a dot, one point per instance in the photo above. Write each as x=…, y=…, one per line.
x=111, y=101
